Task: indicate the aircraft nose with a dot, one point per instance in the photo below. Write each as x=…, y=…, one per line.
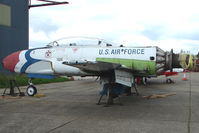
x=11, y=60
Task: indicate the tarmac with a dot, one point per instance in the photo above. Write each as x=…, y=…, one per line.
x=70, y=107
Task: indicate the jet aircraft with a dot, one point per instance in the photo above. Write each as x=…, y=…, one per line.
x=82, y=56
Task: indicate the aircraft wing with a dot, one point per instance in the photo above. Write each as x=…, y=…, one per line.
x=99, y=66
x=93, y=66
x=123, y=74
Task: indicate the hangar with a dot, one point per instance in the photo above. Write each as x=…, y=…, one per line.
x=13, y=27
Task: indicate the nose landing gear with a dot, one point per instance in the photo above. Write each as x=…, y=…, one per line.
x=31, y=90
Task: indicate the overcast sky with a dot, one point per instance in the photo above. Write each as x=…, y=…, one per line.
x=163, y=23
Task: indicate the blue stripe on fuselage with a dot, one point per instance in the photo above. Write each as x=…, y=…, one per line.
x=42, y=76
x=29, y=59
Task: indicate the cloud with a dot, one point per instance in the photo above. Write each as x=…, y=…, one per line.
x=188, y=36
x=37, y=39
x=154, y=32
x=167, y=24
x=46, y=25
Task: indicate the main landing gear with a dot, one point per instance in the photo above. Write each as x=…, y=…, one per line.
x=31, y=90
x=114, y=90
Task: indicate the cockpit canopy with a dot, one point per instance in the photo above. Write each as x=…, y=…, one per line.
x=79, y=41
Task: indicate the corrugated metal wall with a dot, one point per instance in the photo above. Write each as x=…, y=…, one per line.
x=13, y=27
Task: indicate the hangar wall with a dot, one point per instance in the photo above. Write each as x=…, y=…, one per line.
x=13, y=28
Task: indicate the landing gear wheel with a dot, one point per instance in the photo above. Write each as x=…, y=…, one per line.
x=31, y=90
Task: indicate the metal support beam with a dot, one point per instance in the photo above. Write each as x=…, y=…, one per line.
x=48, y=3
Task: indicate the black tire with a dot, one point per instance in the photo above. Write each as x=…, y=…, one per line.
x=31, y=90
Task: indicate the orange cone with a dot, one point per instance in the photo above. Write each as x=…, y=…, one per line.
x=185, y=78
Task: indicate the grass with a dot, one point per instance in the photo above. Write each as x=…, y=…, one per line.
x=22, y=80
